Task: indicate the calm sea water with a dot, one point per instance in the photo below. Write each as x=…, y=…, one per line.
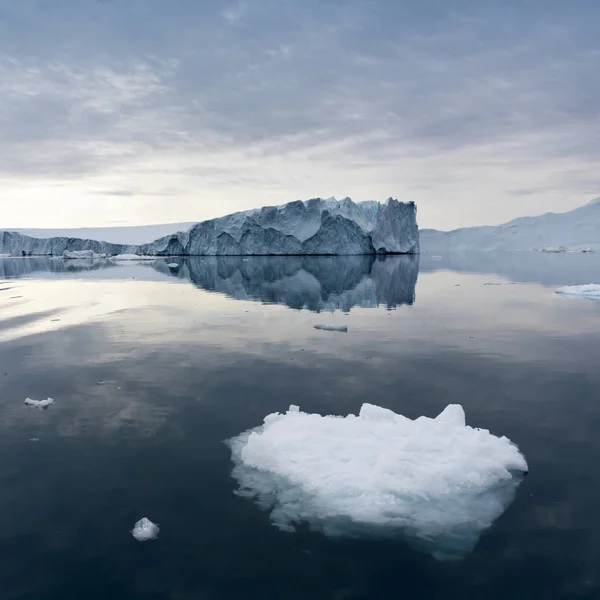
x=192, y=356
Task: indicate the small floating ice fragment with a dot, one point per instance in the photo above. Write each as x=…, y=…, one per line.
x=590, y=290
x=342, y=328
x=39, y=403
x=145, y=530
x=173, y=266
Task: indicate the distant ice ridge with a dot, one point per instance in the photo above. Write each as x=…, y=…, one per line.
x=134, y=257
x=590, y=290
x=145, y=530
x=437, y=482
x=575, y=231
x=316, y=226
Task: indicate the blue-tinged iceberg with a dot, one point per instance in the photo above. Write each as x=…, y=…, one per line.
x=317, y=226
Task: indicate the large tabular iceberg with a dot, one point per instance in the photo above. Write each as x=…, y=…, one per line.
x=317, y=226
x=436, y=481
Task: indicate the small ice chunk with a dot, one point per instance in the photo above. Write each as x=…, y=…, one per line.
x=342, y=328
x=173, y=266
x=437, y=482
x=145, y=530
x=39, y=403
x=590, y=290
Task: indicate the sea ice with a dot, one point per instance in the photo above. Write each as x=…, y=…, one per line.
x=343, y=328
x=78, y=254
x=437, y=482
x=39, y=403
x=591, y=290
x=124, y=257
x=145, y=530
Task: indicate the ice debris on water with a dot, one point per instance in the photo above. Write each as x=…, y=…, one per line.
x=145, y=530
x=590, y=290
x=39, y=403
x=173, y=266
x=436, y=482
x=342, y=328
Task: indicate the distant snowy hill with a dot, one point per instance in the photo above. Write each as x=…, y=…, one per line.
x=576, y=230
x=141, y=234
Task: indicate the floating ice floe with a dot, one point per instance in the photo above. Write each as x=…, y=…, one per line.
x=591, y=290
x=79, y=254
x=145, y=530
x=39, y=403
x=435, y=482
x=343, y=328
x=125, y=257
x=173, y=266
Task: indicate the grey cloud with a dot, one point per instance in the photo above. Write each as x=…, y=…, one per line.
x=89, y=87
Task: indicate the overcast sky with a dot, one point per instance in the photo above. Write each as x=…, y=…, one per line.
x=123, y=112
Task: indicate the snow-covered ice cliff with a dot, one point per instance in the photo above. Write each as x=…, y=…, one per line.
x=316, y=226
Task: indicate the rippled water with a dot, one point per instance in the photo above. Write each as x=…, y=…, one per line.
x=192, y=356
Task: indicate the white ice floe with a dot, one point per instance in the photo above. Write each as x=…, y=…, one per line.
x=343, y=328
x=591, y=290
x=135, y=257
x=145, y=530
x=173, y=266
x=79, y=254
x=436, y=482
x=39, y=403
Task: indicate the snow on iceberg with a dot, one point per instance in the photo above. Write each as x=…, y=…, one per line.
x=341, y=328
x=79, y=254
x=437, y=482
x=591, y=290
x=39, y=403
x=145, y=530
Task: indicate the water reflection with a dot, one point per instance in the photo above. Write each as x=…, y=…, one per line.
x=316, y=283
x=22, y=267
x=520, y=267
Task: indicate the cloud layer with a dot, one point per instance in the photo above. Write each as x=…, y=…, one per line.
x=169, y=112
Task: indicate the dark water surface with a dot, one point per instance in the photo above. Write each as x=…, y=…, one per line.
x=192, y=356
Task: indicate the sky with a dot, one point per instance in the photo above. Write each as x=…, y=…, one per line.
x=131, y=112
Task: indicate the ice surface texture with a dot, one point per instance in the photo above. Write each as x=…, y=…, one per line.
x=316, y=226
x=436, y=481
x=145, y=530
x=590, y=290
